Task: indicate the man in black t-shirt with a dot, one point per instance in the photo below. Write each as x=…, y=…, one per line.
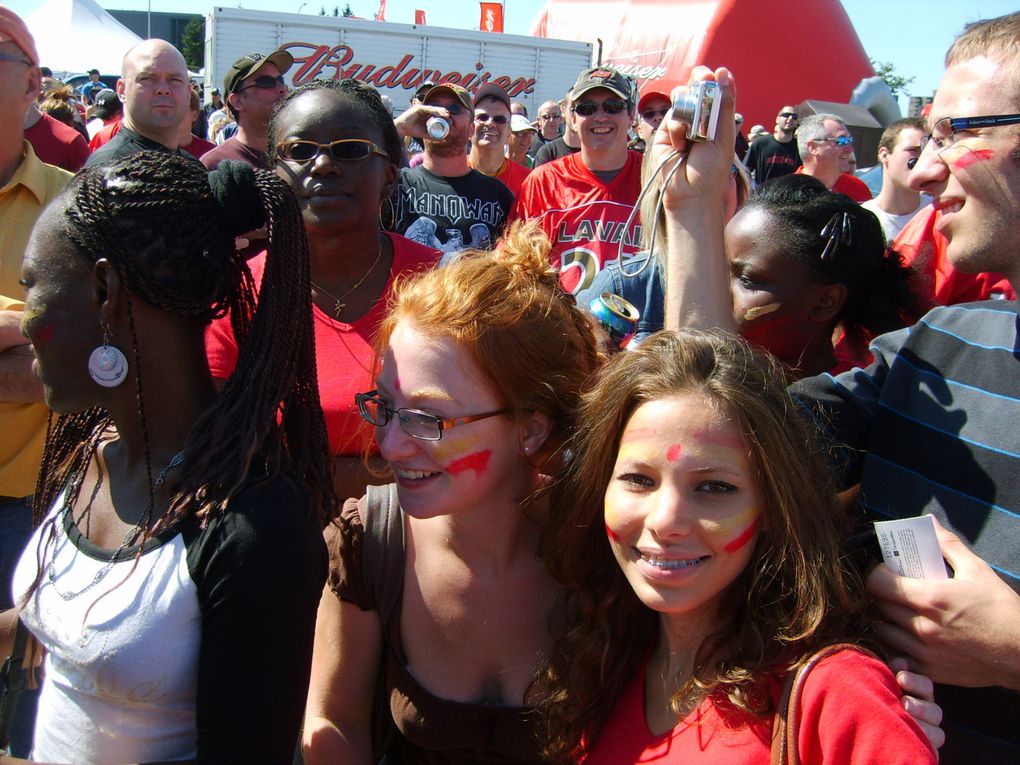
x=443, y=203
x=776, y=155
x=567, y=144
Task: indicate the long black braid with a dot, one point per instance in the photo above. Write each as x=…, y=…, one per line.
x=168, y=228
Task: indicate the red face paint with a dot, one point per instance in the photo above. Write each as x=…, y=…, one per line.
x=745, y=537
x=674, y=452
x=611, y=534
x=634, y=434
x=972, y=157
x=711, y=437
x=479, y=462
x=42, y=335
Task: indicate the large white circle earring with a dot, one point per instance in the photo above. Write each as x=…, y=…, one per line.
x=107, y=364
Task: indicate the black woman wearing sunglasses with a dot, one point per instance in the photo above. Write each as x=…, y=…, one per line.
x=254, y=85
x=335, y=144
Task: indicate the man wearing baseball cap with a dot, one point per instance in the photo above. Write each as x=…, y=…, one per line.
x=26, y=186
x=91, y=88
x=491, y=136
x=252, y=86
x=522, y=134
x=156, y=94
x=444, y=203
x=584, y=200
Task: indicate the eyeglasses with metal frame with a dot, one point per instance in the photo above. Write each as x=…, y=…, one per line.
x=344, y=150
x=415, y=423
x=943, y=133
x=588, y=108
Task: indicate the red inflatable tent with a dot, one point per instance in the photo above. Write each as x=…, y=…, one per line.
x=780, y=53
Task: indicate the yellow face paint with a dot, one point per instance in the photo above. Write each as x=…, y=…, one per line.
x=448, y=448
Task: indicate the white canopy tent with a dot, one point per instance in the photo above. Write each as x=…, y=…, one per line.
x=78, y=35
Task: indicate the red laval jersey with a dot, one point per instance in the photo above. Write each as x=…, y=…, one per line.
x=584, y=218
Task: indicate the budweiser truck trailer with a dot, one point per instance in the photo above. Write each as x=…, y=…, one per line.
x=395, y=58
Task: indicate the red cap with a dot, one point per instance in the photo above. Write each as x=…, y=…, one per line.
x=646, y=97
x=13, y=29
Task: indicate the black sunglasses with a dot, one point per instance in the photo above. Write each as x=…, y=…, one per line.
x=788, y=114
x=453, y=107
x=609, y=106
x=650, y=114
x=499, y=119
x=344, y=150
x=265, y=82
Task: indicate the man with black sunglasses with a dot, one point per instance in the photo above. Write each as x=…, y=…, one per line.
x=776, y=155
x=253, y=85
x=444, y=203
x=491, y=138
x=583, y=200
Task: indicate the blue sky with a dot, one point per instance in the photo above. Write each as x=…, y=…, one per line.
x=911, y=34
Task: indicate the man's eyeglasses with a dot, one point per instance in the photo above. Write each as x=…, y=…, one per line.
x=15, y=59
x=843, y=140
x=609, y=106
x=943, y=132
x=549, y=117
x=265, y=82
x=499, y=119
x=651, y=114
x=420, y=425
x=344, y=150
x=789, y=115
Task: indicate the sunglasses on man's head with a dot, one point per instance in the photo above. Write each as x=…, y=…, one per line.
x=609, y=106
x=499, y=119
x=843, y=140
x=265, y=82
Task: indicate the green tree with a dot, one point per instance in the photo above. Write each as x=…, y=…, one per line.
x=897, y=84
x=347, y=11
x=193, y=43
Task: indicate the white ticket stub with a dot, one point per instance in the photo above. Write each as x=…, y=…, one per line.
x=910, y=547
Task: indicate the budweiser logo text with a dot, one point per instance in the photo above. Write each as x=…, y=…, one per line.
x=324, y=62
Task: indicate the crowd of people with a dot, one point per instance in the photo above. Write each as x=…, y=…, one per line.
x=320, y=444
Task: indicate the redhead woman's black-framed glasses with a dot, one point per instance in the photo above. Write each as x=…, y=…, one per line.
x=344, y=150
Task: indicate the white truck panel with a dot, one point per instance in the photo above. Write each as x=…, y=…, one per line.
x=395, y=58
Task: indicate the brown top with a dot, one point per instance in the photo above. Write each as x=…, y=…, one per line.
x=434, y=731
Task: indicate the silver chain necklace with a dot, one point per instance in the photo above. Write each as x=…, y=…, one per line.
x=132, y=535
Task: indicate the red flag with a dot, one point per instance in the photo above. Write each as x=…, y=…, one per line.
x=492, y=17
x=381, y=15
x=419, y=17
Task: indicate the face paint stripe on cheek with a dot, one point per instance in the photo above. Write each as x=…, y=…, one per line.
x=478, y=462
x=972, y=157
x=611, y=534
x=745, y=536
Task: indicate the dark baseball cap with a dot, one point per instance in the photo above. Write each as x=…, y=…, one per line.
x=107, y=104
x=248, y=65
x=423, y=89
x=491, y=90
x=602, y=77
x=456, y=91
x=92, y=71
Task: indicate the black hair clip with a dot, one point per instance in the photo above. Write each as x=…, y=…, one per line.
x=837, y=230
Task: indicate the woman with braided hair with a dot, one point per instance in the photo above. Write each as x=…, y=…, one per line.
x=335, y=144
x=175, y=570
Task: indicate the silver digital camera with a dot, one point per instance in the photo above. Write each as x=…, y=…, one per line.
x=699, y=110
x=437, y=128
